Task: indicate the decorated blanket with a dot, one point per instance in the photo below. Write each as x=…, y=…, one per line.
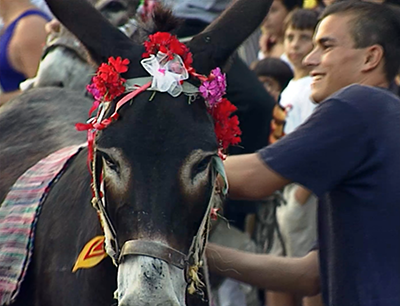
x=18, y=217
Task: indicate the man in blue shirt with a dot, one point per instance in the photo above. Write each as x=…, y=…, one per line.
x=347, y=153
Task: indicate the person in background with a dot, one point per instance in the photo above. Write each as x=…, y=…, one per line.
x=299, y=30
x=271, y=40
x=346, y=153
x=41, y=4
x=296, y=216
x=21, y=43
x=274, y=74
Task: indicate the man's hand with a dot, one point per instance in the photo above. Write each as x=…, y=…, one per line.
x=294, y=275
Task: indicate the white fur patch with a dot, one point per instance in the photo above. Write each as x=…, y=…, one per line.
x=146, y=281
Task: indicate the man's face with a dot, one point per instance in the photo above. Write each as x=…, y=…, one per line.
x=298, y=43
x=334, y=62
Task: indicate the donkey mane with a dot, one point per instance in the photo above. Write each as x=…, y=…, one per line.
x=162, y=20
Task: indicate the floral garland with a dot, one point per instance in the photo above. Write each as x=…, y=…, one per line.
x=212, y=88
x=108, y=84
x=168, y=44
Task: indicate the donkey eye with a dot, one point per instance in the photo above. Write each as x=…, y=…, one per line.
x=114, y=6
x=109, y=162
x=203, y=165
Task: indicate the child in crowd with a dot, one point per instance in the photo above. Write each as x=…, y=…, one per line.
x=274, y=73
x=299, y=30
x=297, y=217
x=271, y=40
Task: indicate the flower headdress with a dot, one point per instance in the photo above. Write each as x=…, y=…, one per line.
x=170, y=63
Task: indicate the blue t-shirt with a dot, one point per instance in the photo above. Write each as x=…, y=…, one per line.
x=348, y=153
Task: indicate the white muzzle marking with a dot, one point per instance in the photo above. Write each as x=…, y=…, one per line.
x=147, y=281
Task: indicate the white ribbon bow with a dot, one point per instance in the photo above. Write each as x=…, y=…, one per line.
x=167, y=73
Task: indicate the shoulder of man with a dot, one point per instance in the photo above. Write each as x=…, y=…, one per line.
x=353, y=93
x=365, y=102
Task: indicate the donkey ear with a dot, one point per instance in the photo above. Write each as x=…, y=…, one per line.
x=213, y=47
x=97, y=34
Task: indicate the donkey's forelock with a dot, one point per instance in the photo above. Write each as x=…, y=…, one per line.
x=162, y=20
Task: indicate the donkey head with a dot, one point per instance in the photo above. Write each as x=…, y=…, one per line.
x=156, y=159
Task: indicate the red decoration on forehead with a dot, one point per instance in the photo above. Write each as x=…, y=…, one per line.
x=107, y=85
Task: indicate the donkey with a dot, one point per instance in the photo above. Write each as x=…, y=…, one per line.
x=65, y=62
x=157, y=171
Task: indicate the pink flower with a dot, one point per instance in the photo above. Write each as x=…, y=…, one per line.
x=94, y=91
x=214, y=88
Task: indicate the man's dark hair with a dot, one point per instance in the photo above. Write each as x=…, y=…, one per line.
x=301, y=19
x=274, y=68
x=372, y=24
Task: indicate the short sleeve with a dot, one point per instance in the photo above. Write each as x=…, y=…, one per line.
x=324, y=150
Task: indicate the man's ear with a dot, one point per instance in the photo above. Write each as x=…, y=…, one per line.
x=373, y=57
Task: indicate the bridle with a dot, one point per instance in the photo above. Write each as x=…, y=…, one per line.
x=169, y=63
x=190, y=262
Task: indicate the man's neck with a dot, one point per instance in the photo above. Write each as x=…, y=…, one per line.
x=375, y=80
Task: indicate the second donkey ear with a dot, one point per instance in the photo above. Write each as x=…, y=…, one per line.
x=97, y=34
x=213, y=47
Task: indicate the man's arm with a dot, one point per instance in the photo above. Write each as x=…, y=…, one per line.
x=250, y=178
x=295, y=275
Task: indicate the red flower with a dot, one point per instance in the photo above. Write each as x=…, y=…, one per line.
x=108, y=81
x=168, y=44
x=188, y=60
x=226, y=127
x=120, y=65
x=160, y=38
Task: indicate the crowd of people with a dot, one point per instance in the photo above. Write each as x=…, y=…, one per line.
x=319, y=109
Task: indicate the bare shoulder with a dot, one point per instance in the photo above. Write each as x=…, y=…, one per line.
x=30, y=29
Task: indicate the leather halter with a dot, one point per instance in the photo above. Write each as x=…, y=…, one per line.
x=156, y=250
x=146, y=247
